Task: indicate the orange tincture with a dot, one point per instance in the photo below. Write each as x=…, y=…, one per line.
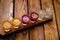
x=7, y=26
x=16, y=22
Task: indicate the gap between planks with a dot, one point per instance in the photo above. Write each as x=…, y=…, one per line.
x=57, y=13
x=36, y=33
x=21, y=9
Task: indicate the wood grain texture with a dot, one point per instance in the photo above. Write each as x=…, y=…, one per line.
x=50, y=28
x=20, y=10
x=37, y=32
x=22, y=36
x=6, y=12
x=57, y=10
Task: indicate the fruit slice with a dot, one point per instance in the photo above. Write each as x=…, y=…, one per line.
x=25, y=20
x=16, y=22
x=41, y=14
x=7, y=26
x=33, y=17
x=49, y=13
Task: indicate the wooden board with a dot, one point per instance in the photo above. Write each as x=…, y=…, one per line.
x=50, y=28
x=57, y=11
x=22, y=36
x=20, y=29
x=49, y=32
x=6, y=12
x=36, y=33
x=20, y=10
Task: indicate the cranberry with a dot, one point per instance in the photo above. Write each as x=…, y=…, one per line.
x=34, y=16
x=25, y=19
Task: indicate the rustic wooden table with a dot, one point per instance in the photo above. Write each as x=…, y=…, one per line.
x=16, y=8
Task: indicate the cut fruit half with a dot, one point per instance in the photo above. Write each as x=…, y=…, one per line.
x=16, y=22
x=7, y=26
x=25, y=19
x=34, y=16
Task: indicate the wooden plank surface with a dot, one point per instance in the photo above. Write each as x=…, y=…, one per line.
x=6, y=12
x=51, y=27
x=22, y=36
x=36, y=33
x=23, y=11
x=20, y=10
x=57, y=10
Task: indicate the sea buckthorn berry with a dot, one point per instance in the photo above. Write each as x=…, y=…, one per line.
x=25, y=19
x=7, y=26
